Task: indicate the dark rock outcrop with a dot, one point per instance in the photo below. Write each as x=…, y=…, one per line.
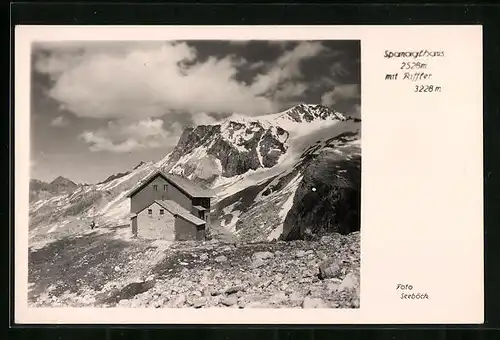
x=271, y=148
x=239, y=146
x=327, y=200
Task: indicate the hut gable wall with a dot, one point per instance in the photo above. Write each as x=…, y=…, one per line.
x=155, y=190
x=156, y=225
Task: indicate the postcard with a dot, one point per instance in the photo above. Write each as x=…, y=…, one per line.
x=248, y=175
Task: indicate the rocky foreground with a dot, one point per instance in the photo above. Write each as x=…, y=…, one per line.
x=108, y=273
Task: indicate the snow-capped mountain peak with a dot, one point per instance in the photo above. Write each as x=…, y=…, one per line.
x=301, y=113
x=304, y=113
x=310, y=112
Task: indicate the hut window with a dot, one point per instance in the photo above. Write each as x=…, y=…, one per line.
x=155, y=187
x=161, y=211
x=150, y=211
x=164, y=187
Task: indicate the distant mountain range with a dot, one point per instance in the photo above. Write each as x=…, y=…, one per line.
x=293, y=174
x=60, y=185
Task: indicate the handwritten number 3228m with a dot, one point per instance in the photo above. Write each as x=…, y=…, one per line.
x=427, y=88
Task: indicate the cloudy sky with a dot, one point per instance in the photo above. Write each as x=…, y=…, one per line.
x=99, y=108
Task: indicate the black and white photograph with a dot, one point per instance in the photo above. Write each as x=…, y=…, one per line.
x=195, y=174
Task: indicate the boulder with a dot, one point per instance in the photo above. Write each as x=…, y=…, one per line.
x=326, y=239
x=257, y=263
x=332, y=285
x=278, y=298
x=220, y=259
x=278, y=277
x=180, y=300
x=234, y=289
x=330, y=269
x=229, y=301
x=351, y=281
x=262, y=255
x=199, y=302
x=313, y=303
x=207, y=291
x=300, y=253
x=295, y=298
x=258, y=304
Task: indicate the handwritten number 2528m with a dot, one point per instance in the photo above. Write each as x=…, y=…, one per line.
x=412, y=65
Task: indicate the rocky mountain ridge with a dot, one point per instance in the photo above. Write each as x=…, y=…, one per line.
x=241, y=143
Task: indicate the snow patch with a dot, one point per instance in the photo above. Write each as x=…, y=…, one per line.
x=218, y=165
x=164, y=160
x=229, y=208
x=283, y=137
x=276, y=233
x=259, y=155
x=286, y=207
x=197, y=153
x=231, y=225
x=57, y=226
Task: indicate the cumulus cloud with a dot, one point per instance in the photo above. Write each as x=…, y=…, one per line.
x=286, y=68
x=340, y=93
x=202, y=118
x=122, y=136
x=338, y=69
x=148, y=83
x=59, y=121
x=138, y=86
